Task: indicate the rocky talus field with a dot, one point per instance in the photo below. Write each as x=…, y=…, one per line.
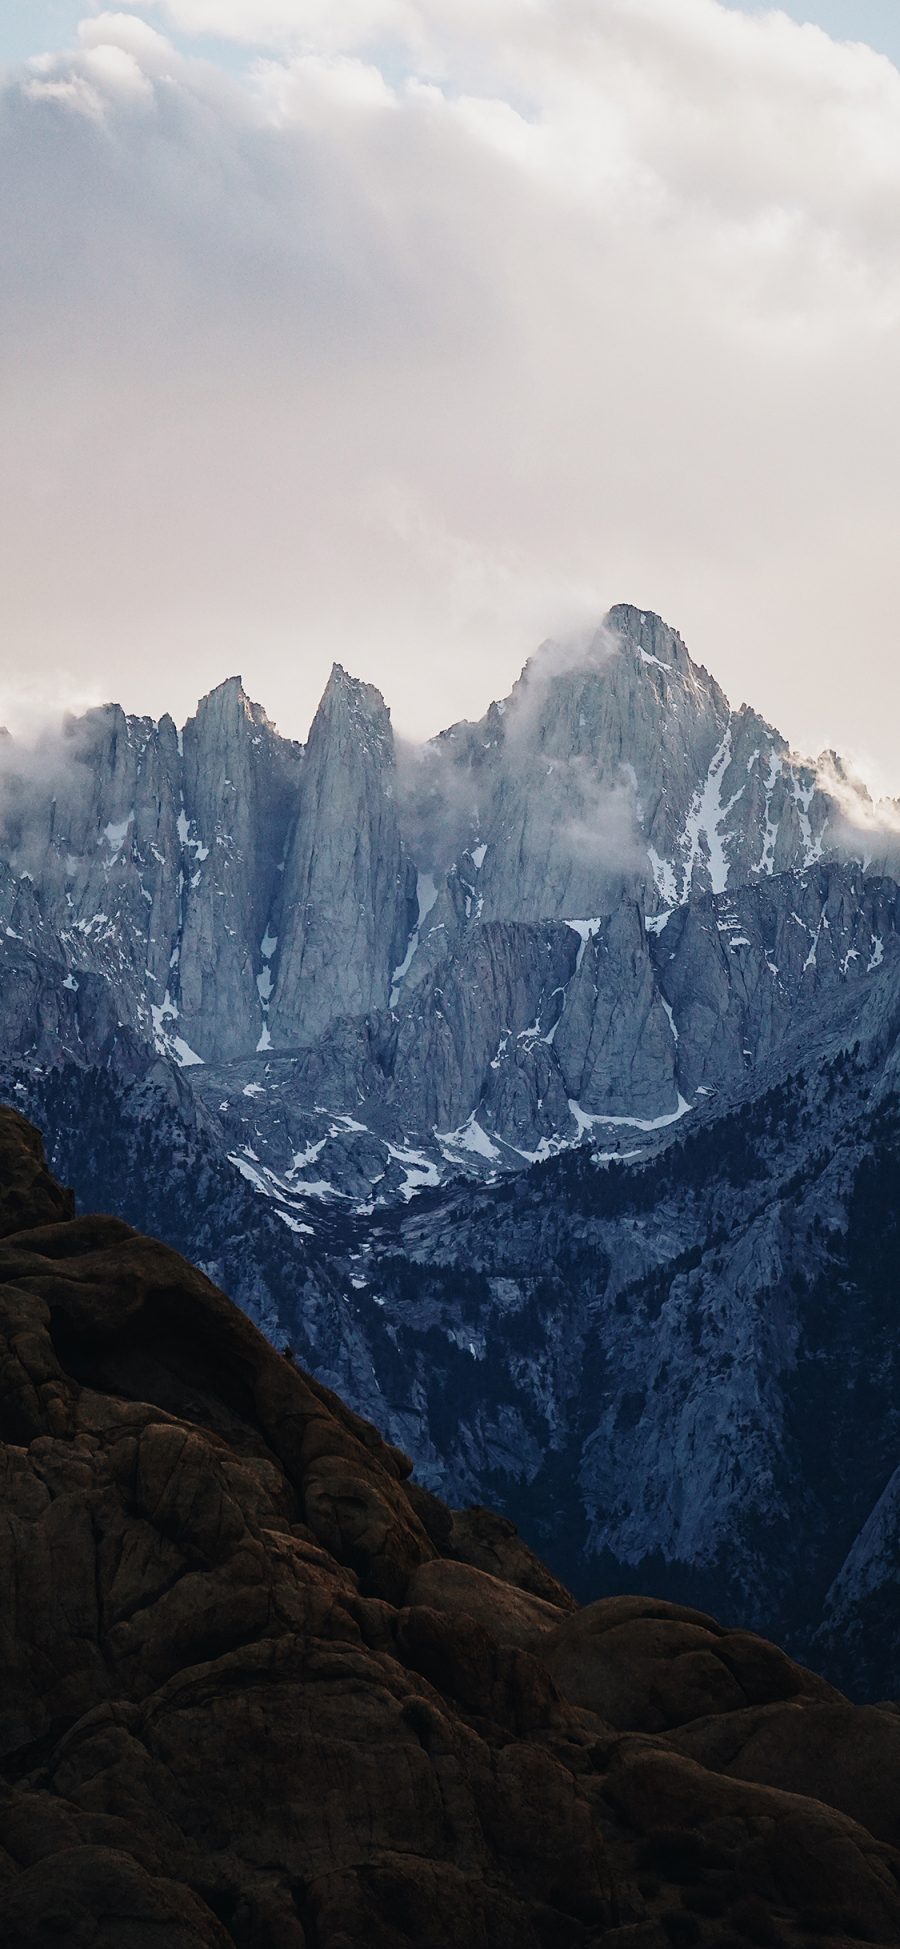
x=261, y=1688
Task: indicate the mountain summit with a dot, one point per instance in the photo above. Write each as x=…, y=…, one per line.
x=503, y=933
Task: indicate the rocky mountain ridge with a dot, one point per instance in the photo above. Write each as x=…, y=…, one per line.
x=589, y=910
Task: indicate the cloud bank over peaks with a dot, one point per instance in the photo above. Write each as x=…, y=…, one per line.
x=870, y=826
x=436, y=329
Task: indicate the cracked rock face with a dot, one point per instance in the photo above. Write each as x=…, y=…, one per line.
x=234, y=894
x=260, y=1688
x=240, y=781
x=348, y=894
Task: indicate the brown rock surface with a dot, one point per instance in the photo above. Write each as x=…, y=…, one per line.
x=649, y=1667
x=259, y=1688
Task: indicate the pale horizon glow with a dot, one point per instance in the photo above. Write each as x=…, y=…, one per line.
x=409, y=333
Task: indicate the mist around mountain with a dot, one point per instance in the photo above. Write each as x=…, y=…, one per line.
x=539, y=1086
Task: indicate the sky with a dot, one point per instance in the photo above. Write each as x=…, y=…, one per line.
x=408, y=333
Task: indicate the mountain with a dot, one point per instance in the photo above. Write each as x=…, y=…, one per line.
x=609, y=895
x=538, y=1086
x=260, y=1687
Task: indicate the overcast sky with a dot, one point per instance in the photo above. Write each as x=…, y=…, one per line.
x=409, y=332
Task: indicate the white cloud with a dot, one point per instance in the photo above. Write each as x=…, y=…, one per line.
x=126, y=33
x=287, y=23
x=452, y=325
x=115, y=72
x=875, y=820
x=75, y=93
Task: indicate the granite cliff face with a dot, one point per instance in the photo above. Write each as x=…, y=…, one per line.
x=376, y=1005
x=239, y=783
x=238, y=894
x=348, y=899
x=261, y=1688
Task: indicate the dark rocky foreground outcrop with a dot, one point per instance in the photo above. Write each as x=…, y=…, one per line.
x=259, y=1688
